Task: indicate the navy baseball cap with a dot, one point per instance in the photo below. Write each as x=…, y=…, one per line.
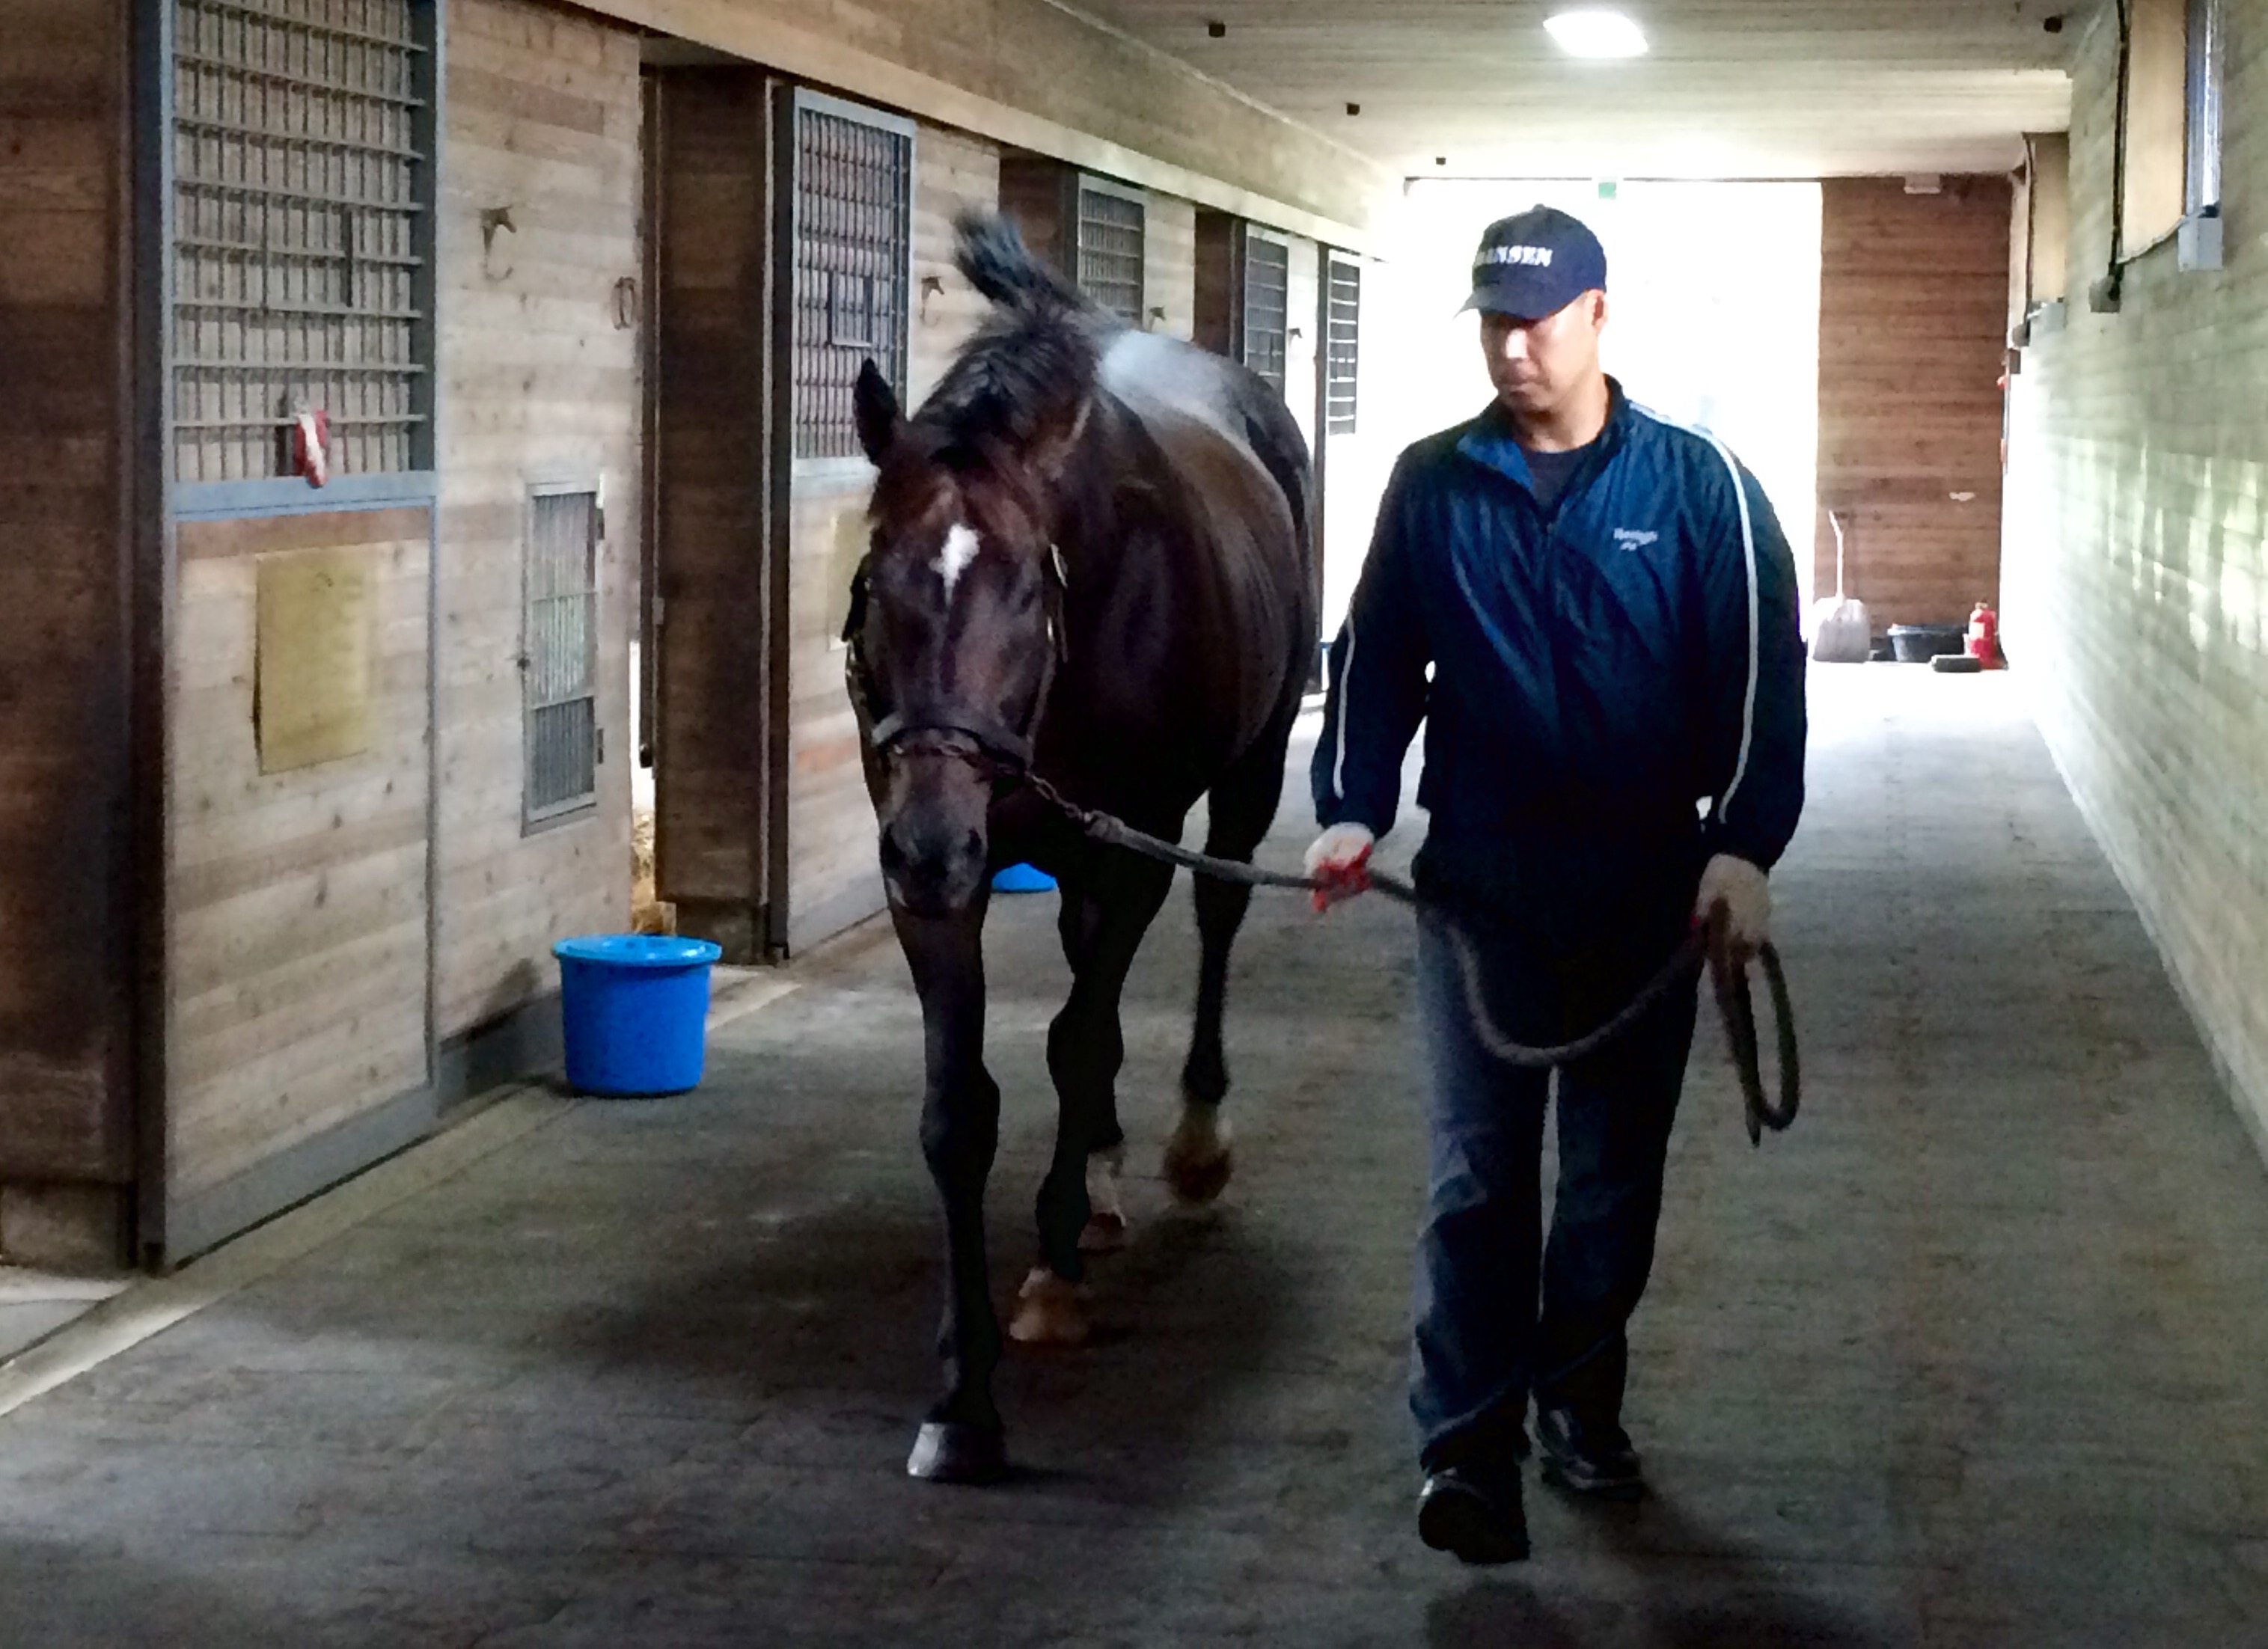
x=1534, y=264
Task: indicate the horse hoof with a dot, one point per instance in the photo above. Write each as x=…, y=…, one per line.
x=1198, y=1160
x=1050, y=1311
x=946, y=1451
x=1105, y=1233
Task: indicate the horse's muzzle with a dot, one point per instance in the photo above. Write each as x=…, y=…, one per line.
x=931, y=879
x=935, y=835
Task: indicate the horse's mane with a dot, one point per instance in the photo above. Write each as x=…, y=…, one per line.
x=1024, y=377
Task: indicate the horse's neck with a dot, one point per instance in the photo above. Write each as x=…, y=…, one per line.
x=1111, y=493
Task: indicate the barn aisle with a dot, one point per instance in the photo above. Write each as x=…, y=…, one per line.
x=1976, y=1355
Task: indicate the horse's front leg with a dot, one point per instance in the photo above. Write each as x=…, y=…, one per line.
x=963, y=1440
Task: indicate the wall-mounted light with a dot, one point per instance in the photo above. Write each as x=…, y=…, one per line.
x=1596, y=34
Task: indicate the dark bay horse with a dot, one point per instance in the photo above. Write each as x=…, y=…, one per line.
x=1089, y=561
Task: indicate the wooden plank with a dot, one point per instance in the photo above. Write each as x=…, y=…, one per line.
x=1169, y=265
x=1913, y=303
x=63, y=728
x=517, y=98
x=1069, y=89
x=712, y=664
x=204, y=540
x=539, y=382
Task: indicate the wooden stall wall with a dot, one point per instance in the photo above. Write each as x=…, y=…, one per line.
x=832, y=877
x=1356, y=462
x=951, y=171
x=1302, y=348
x=1169, y=266
x=66, y=1138
x=2138, y=559
x=297, y=887
x=539, y=385
x=1040, y=195
x=712, y=758
x=1913, y=312
x=1049, y=78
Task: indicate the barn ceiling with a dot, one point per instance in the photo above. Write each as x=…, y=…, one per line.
x=1730, y=88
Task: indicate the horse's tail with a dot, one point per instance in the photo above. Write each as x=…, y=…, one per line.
x=992, y=255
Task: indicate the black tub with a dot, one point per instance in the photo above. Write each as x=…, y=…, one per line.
x=1918, y=643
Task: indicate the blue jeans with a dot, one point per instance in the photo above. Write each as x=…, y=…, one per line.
x=1500, y=1313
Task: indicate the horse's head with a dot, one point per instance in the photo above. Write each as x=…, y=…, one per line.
x=954, y=632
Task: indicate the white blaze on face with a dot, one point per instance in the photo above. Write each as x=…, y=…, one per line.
x=961, y=546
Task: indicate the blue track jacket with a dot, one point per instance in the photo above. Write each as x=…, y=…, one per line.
x=1587, y=679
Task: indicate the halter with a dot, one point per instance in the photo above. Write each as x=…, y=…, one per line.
x=983, y=741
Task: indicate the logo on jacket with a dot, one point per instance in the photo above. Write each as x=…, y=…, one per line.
x=1632, y=538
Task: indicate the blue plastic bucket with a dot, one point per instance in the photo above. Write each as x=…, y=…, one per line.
x=1022, y=879
x=634, y=1008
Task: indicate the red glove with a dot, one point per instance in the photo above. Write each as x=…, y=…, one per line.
x=1339, y=861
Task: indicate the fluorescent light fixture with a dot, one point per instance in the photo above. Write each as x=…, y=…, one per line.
x=1596, y=34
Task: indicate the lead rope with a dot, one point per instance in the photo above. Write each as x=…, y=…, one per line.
x=1733, y=1001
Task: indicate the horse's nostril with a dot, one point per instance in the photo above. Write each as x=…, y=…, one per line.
x=974, y=846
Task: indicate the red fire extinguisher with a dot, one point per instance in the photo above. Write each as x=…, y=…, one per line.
x=1984, y=637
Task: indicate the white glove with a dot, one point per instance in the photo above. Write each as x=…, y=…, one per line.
x=1340, y=858
x=1734, y=904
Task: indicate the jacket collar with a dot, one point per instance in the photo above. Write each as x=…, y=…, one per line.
x=1490, y=441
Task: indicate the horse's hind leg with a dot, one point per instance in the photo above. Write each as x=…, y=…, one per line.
x=1242, y=807
x=1106, y=912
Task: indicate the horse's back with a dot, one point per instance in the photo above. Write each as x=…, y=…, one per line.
x=1164, y=377
x=1209, y=522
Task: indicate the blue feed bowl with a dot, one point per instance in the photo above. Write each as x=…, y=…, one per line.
x=635, y=1011
x=1022, y=879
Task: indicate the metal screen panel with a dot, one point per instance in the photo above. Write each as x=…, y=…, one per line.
x=1111, y=252
x=1266, y=305
x=560, y=654
x=853, y=262
x=301, y=196
x=1342, y=344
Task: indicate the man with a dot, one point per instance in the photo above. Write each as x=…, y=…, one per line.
x=1594, y=613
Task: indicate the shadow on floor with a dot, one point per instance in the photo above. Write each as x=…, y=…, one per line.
x=61, y=1595
x=1731, y=1599
x=833, y=1315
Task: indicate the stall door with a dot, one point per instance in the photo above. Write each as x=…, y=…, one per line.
x=300, y=849
x=297, y=301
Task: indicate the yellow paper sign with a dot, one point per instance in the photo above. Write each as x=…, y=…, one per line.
x=312, y=689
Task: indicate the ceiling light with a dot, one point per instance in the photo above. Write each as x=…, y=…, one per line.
x=1591, y=33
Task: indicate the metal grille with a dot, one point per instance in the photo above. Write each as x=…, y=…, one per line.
x=559, y=653
x=300, y=196
x=853, y=258
x=1110, y=230
x=1267, y=304
x=1342, y=344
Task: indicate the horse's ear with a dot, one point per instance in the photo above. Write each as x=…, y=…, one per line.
x=876, y=406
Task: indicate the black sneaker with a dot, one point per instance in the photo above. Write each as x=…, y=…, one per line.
x=1591, y=1457
x=1476, y=1515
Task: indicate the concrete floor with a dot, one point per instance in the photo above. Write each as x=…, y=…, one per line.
x=1976, y=1355
x=35, y=1304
